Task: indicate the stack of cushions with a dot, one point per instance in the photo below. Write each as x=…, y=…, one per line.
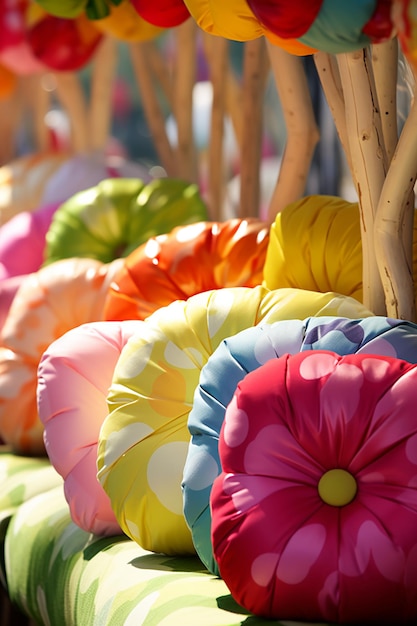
x=132, y=411
x=85, y=241
x=246, y=351
x=144, y=440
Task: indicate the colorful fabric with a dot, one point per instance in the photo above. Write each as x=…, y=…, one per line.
x=188, y=260
x=248, y=350
x=233, y=20
x=21, y=478
x=144, y=440
x=59, y=574
x=23, y=182
x=22, y=241
x=49, y=302
x=315, y=243
x=117, y=215
x=162, y=13
x=315, y=511
x=74, y=374
x=328, y=25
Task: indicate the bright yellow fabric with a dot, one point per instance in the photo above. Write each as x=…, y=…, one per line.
x=232, y=19
x=144, y=440
x=315, y=243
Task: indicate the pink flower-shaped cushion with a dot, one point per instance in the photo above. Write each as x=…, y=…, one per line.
x=314, y=516
x=74, y=375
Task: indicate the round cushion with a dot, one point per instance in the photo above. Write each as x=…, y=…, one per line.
x=64, y=45
x=117, y=215
x=163, y=13
x=22, y=241
x=144, y=440
x=235, y=20
x=22, y=182
x=74, y=374
x=16, y=54
x=83, y=171
x=246, y=351
x=315, y=243
x=188, y=260
x=47, y=304
x=314, y=513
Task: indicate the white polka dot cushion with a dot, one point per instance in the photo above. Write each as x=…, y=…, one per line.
x=246, y=351
x=144, y=440
x=315, y=511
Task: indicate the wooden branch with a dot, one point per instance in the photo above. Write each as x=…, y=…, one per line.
x=396, y=208
x=234, y=95
x=385, y=69
x=302, y=131
x=255, y=72
x=184, y=81
x=72, y=97
x=328, y=73
x=40, y=103
x=102, y=80
x=160, y=71
x=368, y=162
x=152, y=109
x=216, y=51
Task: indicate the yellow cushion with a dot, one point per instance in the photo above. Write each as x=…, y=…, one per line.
x=315, y=243
x=232, y=19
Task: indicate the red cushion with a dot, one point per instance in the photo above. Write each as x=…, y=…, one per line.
x=295, y=539
x=163, y=13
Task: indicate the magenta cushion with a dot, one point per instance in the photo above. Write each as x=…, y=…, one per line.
x=314, y=516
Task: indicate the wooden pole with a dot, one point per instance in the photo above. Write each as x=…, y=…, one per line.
x=184, y=80
x=216, y=51
x=255, y=71
x=396, y=208
x=302, y=131
x=73, y=100
x=368, y=162
x=102, y=81
x=328, y=73
x=153, y=112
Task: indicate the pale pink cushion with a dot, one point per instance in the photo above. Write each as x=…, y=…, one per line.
x=74, y=375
